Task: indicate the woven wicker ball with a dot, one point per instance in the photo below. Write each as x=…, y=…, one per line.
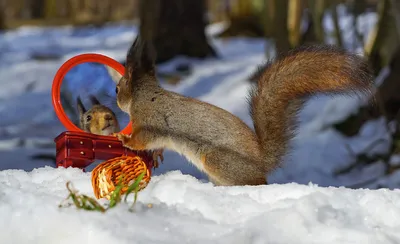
x=106, y=175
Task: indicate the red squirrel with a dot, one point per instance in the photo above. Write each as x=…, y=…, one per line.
x=216, y=141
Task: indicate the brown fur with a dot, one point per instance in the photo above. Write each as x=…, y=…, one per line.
x=286, y=83
x=99, y=119
x=216, y=141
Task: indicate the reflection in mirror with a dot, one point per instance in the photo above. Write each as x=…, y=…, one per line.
x=89, y=100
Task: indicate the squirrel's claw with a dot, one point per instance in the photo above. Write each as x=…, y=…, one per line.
x=120, y=136
x=115, y=134
x=158, y=153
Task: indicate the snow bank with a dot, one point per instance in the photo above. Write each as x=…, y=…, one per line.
x=188, y=211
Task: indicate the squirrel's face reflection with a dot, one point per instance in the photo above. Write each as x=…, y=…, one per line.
x=100, y=121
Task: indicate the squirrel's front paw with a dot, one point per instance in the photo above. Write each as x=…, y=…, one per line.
x=158, y=153
x=115, y=134
x=123, y=138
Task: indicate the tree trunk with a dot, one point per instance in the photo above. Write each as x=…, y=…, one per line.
x=268, y=18
x=295, y=16
x=37, y=9
x=2, y=15
x=281, y=32
x=338, y=32
x=246, y=18
x=176, y=27
x=384, y=38
x=317, y=8
x=383, y=50
x=50, y=9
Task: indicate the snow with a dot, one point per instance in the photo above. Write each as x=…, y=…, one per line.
x=305, y=202
x=187, y=211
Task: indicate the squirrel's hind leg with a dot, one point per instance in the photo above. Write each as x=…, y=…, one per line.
x=157, y=153
x=226, y=170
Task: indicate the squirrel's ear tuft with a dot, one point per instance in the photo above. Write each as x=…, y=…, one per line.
x=141, y=57
x=81, y=108
x=94, y=100
x=115, y=75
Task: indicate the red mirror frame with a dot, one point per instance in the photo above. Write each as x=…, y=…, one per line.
x=63, y=70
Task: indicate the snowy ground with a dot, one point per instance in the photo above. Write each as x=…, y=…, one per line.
x=185, y=210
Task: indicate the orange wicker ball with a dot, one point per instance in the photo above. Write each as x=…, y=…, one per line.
x=106, y=175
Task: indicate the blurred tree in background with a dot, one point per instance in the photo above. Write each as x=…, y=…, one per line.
x=66, y=12
x=175, y=27
x=2, y=15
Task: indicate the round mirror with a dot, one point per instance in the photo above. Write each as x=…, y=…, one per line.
x=83, y=95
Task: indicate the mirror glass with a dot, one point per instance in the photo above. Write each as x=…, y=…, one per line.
x=93, y=84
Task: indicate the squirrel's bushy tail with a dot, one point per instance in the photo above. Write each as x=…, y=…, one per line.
x=287, y=81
